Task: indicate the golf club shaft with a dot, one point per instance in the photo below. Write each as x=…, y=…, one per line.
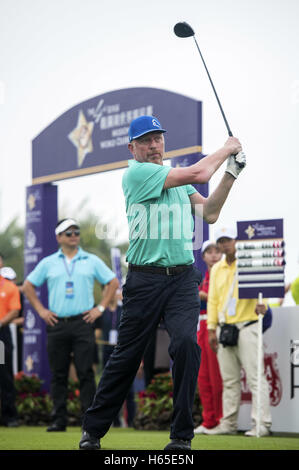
x=218, y=101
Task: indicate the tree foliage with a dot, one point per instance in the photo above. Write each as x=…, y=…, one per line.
x=12, y=247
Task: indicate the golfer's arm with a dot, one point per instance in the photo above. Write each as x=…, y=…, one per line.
x=29, y=291
x=200, y=172
x=209, y=208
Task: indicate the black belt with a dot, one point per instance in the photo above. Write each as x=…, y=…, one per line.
x=71, y=318
x=169, y=271
x=249, y=323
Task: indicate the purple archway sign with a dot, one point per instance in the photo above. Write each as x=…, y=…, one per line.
x=90, y=138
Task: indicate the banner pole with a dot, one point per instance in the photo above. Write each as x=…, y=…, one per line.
x=259, y=368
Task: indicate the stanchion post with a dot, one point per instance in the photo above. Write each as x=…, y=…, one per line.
x=259, y=369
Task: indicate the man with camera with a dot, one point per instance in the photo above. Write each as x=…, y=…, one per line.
x=237, y=342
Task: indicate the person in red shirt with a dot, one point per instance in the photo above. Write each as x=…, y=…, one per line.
x=209, y=378
x=10, y=305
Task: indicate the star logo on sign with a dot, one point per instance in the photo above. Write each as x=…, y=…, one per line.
x=29, y=363
x=250, y=231
x=31, y=201
x=81, y=137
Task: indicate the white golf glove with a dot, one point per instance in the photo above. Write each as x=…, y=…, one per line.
x=235, y=164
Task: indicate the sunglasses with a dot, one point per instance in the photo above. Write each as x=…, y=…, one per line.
x=69, y=233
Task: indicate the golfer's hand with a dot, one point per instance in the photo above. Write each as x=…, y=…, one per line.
x=235, y=164
x=260, y=309
x=91, y=315
x=213, y=342
x=233, y=145
x=49, y=317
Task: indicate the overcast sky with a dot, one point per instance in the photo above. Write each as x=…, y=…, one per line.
x=55, y=54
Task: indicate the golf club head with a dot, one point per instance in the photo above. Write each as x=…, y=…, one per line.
x=183, y=30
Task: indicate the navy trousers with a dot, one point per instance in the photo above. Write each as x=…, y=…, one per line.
x=64, y=338
x=147, y=298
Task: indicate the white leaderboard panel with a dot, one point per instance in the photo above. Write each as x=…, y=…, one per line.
x=260, y=258
x=281, y=359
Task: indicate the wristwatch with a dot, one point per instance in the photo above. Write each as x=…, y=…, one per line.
x=101, y=308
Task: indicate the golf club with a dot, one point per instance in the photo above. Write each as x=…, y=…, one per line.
x=184, y=30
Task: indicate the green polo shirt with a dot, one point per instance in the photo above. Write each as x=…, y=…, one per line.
x=160, y=220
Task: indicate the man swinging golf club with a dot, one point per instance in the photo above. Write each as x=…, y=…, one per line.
x=162, y=281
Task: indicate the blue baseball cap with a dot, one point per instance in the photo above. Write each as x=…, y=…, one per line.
x=143, y=125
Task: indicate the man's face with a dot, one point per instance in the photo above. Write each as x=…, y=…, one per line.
x=70, y=237
x=148, y=148
x=227, y=246
x=212, y=255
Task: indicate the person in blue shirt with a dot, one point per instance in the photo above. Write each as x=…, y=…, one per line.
x=70, y=274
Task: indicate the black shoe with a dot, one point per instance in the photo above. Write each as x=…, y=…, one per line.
x=56, y=427
x=178, y=444
x=89, y=442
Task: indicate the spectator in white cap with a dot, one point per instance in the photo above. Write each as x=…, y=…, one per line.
x=70, y=274
x=209, y=377
x=9, y=309
x=8, y=273
x=238, y=348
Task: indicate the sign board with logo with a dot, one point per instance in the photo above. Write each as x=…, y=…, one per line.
x=92, y=136
x=281, y=362
x=40, y=241
x=260, y=258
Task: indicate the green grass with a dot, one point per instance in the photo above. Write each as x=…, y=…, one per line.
x=36, y=438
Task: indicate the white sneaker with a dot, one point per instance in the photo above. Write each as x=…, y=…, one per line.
x=220, y=429
x=200, y=429
x=264, y=431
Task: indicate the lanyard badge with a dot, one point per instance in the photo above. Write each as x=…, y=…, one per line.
x=69, y=290
x=69, y=285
